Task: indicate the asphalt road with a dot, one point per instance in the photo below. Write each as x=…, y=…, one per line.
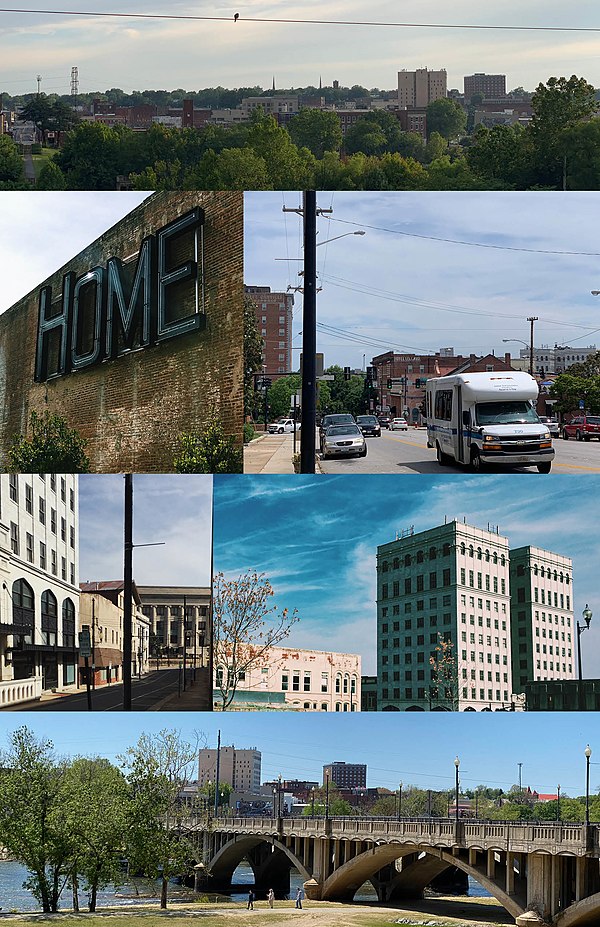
x=146, y=693
x=407, y=452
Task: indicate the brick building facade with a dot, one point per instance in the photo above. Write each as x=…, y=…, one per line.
x=172, y=297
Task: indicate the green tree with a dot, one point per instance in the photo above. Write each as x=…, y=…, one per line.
x=32, y=796
x=95, y=813
x=446, y=117
x=374, y=134
x=253, y=347
x=245, y=627
x=503, y=153
x=318, y=130
x=157, y=826
x=569, y=389
x=52, y=447
x=51, y=177
x=11, y=162
x=582, y=147
x=344, y=395
x=208, y=450
x=93, y=155
x=288, y=167
x=435, y=148
x=558, y=106
x=280, y=395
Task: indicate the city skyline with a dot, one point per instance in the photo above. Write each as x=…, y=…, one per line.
x=328, y=571
x=41, y=233
x=139, y=52
x=426, y=275
x=169, y=508
x=419, y=750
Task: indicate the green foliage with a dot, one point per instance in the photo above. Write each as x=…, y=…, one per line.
x=374, y=134
x=340, y=395
x=253, y=346
x=569, y=388
x=51, y=177
x=11, y=162
x=249, y=432
x=316, y=129
x=208, y=451
x=446, y=117
x=52, y=448
x=280, y=395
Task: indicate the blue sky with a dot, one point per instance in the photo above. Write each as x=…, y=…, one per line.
x=315, y=538
x=131, y=53
x=394, y=289
x=38, y=234
x=172, y=508
x=415, y=749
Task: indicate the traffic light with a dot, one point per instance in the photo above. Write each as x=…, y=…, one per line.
x=389, y=382
x=266, y=384
x=371, y=374
x=347, y=373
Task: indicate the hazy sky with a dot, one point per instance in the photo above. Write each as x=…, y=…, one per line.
x=415, y=749
x=401, y=286
x=139, y=54
x=316, y=540
x=172, y=508
x=41, y=232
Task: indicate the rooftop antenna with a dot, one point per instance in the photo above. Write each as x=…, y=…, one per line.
x=74, y=81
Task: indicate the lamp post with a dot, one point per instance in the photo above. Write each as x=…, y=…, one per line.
x=399, y=800
x=327, y=796
x=456, y=768
x=528, y=346
x=587, y=617
x=558, y=802
x=588, y=754
x=312, y=802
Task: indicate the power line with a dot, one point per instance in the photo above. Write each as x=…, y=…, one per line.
x=470, y=244
x=304, y=22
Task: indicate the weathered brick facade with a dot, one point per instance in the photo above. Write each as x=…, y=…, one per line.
x=132, y=408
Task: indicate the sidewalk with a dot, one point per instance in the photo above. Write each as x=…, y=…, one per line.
x=270, y=454
x=197, y=696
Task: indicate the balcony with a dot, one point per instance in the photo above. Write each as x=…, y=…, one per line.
x=14, y=691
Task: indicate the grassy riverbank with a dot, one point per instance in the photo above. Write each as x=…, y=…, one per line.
x=446, y=911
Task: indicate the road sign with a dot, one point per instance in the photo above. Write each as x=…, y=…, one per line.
x=85, y=643
x=581, y=404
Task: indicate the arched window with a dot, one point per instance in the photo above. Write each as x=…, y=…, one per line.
x=487, y=555
x=49, y=618
x=338, y=683
x=324, y=706
x=407, y=560
x=432, y=553
x=23, y=610
x=396, y=563
x=495, y=557
x=68, y=624
x=419, y=556
x=346, y=684
x=463, y=548
x=384, y=566
x=502, y=560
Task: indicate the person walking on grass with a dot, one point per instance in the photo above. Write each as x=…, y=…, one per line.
x=299, y=897
x=251, y=900
x=271, y=897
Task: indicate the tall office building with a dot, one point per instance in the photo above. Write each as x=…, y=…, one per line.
x=443, y=620
x=490, y=86
x=178, y=615
x=274, y=323
x=417, y=89
x=238, y=768
x=346, y=775
x=39, y=591
x=542, y=618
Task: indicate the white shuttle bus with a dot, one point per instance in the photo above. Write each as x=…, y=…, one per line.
x=487, y=418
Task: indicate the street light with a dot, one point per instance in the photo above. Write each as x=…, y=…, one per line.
x=456, y=767
x=312, y=802
x=327, y=796
x=399, y=800
x=558, y=803
x=588, y=754
x=587, y=617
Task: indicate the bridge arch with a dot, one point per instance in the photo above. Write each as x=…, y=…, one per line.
x=224, y=863
x=586, y=911
x=347, y=879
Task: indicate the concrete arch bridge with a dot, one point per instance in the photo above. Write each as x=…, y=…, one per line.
x=542, y=873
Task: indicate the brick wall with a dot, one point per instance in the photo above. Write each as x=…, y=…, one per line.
x=131, y=409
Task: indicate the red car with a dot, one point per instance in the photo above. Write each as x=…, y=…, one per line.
x=583, y=428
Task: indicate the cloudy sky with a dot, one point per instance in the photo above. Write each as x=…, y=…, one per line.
x=316, y=540
x=144, y=53
x=41, y=232
x=172, y=508
x=433, y=270
x=416, y=749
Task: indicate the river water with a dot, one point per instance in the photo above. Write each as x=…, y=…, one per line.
x=13, y=897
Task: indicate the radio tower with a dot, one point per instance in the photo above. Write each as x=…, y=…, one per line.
x=74, y=81
x=39, y=83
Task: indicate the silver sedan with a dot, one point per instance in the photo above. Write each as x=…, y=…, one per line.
x=343, y=441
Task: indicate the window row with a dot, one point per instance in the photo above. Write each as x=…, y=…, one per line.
x=23, y=609
x=13, y=491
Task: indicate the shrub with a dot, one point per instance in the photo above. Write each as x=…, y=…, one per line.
x=52, y=448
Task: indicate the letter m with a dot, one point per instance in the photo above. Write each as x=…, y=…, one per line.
x=129, y=316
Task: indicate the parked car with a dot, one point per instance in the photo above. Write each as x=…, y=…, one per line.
x=552, y=426
x=283, y=426
x=369, y=425
x=399, y=424
x=384, y=420
x=344, y=440
x=582, y=428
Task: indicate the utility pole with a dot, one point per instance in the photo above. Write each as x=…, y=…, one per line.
x=217, y=774
x=127, y=591
x=531, y=319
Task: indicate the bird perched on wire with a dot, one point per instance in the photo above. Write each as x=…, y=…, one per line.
x=236, y=16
